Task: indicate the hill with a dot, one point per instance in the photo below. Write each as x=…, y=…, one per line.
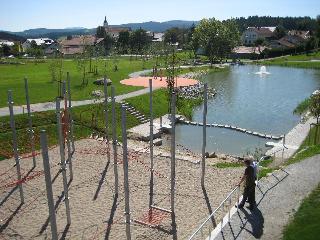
x=56, y=33
x=11, y=37
x=160, y=26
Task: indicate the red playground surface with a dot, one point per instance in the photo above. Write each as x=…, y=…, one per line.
x=144, y=82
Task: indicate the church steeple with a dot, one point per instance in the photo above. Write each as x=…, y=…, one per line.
x=105, y=23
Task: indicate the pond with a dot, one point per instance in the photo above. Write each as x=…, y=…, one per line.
x=258, y=102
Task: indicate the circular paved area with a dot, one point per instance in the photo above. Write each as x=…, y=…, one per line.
x=144, y=82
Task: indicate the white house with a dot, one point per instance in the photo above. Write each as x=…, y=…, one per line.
x=158, y=37
x=251, y=34
x=39, y=41
x=6, y=42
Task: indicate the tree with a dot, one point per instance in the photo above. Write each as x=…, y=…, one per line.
x=315, y=106
x=318, y=27
x=279, y=32
x=216, y=38
x=258, y=43
x=35, y=50
x=108, y=43
x=123, y=42
x=172, y=35
x=139, y=40
x=6, y=50
x=315, y=111
x=101, y=32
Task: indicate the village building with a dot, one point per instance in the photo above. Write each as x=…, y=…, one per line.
x=6, y=43
x=39, y=42
x=51, y=49
x=114, y=31
x=77, y=44
x=251, y=34
x=246, y=52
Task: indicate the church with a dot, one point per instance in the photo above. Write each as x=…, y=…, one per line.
x=114, y=31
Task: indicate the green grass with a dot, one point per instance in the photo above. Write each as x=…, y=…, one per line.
x=304, y=57
x=306, y=222
x=161, y=104
x=88, y=119
x=228, y=165
x=302, y=107
x=307, y=149
x=263, y=172
x=289, y=61
x=266, y=162
x=42, y=89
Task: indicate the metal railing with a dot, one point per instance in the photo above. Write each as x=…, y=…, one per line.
x=209, y=223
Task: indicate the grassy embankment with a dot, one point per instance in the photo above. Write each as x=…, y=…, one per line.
x=160, y=98
x=88, y=119
x=43, y=89
x=306, y=222
x=298, y=61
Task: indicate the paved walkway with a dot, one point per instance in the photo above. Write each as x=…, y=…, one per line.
x=278, y=199
x=40, y=107
x=293, y=140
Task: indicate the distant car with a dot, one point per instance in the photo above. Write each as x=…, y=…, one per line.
x=11, y=56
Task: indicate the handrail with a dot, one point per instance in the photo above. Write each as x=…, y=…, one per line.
x=222, y=204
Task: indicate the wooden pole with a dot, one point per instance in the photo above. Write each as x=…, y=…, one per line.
x=204, y=134
x=15, y=144
x=151, y=146
x=125, y=172
x=114, y=142
x=30, y=130
x=173, y=149
x=47, y=175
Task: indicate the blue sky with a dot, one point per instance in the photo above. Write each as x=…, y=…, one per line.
x=20, y=15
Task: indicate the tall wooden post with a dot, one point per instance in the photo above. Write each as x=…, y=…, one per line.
x=204, y=134
x=125, y=172
x=30, y=130
x=114, y=142
x=15, y=144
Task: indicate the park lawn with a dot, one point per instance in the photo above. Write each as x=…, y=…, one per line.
x=42, y=89
x=161, y=104
x=293, y=61
x=307, y=149
x=311, y=65
x=306, y=222
x=87, y=120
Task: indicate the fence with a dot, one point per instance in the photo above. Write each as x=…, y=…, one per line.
x=206, y=228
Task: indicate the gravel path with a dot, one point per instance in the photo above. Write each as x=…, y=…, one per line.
x=279, y=197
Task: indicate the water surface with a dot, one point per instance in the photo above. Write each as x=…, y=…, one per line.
x=262, y=103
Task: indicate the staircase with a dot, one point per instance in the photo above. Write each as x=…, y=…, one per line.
x=134, y=112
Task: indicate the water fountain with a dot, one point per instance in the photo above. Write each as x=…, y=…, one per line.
x=263, y=71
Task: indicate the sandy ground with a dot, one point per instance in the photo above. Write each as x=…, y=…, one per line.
x=95, y=213
x=159, y=82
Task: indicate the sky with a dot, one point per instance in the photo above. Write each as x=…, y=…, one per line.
x=20, y=15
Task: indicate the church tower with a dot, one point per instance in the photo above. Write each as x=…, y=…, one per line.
x=105, y=23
